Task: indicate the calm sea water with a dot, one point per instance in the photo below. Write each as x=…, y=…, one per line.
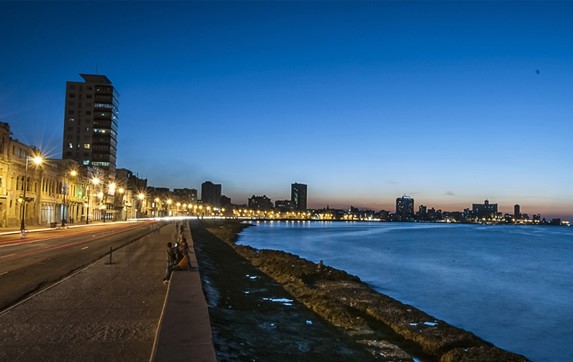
x=510, y=285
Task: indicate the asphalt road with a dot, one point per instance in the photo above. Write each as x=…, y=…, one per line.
x=44, y=257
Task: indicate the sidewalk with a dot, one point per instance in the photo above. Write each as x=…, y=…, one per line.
x=105, y=312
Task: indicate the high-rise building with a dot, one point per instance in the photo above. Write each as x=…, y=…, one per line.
x=90, y=122
x=404, y=208
x=298, y=196
x=211, y=193
x=517, y=211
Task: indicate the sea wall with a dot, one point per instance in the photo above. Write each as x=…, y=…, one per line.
x=385, y=326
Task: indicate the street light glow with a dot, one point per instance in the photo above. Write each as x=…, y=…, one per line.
x=37, y=160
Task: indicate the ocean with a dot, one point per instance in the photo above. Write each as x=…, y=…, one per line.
x=510, y=285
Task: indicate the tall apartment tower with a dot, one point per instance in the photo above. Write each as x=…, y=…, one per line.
x=90, y=122
x=211, y=193
x=517, y=211
x=405, y=207
x=298, y=196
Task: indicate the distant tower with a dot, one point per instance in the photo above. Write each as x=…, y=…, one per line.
x=90, y=122
x=298, y=196
x=517, y=211
x=405, y=207
x=211, y=193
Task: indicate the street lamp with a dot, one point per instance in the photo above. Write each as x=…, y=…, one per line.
x=38, y=161
x=140, y=197
x=94, y=181
x=73, y=173
x=121, y=191
x=156, y=206
x=169, y=202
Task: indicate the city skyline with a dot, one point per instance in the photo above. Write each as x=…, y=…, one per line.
x=450, y=103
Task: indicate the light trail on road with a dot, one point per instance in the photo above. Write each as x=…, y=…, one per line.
x=30, y=264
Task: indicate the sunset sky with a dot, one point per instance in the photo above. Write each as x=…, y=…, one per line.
x=449, y=102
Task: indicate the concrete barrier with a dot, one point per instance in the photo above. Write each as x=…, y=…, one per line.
x=184, y=331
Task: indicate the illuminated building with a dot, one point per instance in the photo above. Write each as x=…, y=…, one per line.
x=90, y=122
x=260, y=203
x=298, y=195
x=404, y=208
x=485, y=210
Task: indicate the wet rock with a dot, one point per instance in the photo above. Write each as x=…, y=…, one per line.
x=390, y=329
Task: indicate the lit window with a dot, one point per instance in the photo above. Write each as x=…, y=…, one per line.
x=87, y=145
x=70, y=145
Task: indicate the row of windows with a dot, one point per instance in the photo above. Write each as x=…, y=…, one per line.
x=103, y=105
x=73, y=95
x=73, y=86
x=86, y=145
x=71, y=112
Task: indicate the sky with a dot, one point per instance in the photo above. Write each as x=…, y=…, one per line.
x=449, y=102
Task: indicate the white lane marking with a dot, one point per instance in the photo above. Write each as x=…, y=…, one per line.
x=85, y=247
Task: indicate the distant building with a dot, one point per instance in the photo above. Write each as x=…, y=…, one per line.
x=211, y=193
x=225, y=201
x=284, y=205
x=517, y=211
x=404, y=208
x=185, y=194
x=422, y=212
x=90, y=122
x=260, y=203
x=485, y=210
x=298, y=194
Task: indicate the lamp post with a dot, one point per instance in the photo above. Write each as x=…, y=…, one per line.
x=100, y=195
x=121, y=191
x=94, y=181
x=37, y=160
x=140, y=197
x=156, y=206
x=73, y=173
x=169, y=202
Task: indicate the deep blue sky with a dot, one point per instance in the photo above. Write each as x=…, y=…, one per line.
x=448, y=102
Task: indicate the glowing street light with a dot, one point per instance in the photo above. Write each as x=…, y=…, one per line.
x=73, y=173
x=121, y=191
x=95, y=181
x=140, y=197
x=37, y=160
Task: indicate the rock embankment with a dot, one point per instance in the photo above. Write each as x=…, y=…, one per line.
x=386, y=327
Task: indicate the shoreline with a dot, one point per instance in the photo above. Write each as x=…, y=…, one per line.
x=384, y=327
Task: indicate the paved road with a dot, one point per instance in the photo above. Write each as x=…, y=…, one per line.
x=44, y=257
x=103, y=313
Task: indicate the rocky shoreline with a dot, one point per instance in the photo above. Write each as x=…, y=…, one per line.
x=386, y=328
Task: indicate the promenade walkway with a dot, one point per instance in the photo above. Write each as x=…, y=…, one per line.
x=111, y=312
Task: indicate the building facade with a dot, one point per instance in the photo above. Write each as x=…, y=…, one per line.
x=260, y=203
x=211, y=193
x=485, y=210
x=90, y=123
x=60, y=191
x=404, y=208
x=298, y=196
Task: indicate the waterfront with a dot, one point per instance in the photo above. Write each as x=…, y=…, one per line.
x=510, y=285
